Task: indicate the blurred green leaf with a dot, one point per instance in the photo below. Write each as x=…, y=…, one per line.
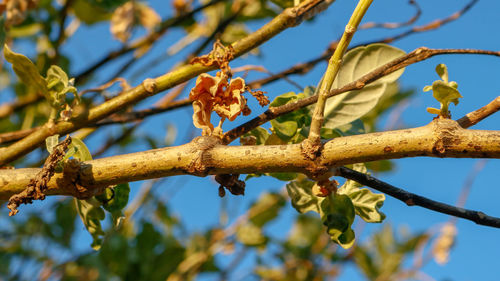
x=115, y=198
x=265, y=209
x=26, y=71
x=90, y=12
x=250, y=235
x=305, y=231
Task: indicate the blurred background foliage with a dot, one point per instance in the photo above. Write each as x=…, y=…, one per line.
x=152, y=243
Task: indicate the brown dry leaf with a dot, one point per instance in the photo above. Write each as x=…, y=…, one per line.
x=230, y=103
x=218, y=57
x=216, y=94
x=122, y=21
x=202, y=97
x=443, y=244
x=16, y=10
x=128, y=14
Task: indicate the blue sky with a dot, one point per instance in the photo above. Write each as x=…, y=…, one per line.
x=476, y=253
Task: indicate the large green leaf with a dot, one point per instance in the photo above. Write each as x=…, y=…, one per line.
x=347, y=107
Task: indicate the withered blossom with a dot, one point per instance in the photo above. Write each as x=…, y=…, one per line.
x=216, y=94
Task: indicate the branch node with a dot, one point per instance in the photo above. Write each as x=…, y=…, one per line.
x=198, y=166
x=150, y=86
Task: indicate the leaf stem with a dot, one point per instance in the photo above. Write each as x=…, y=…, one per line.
x=333, y=68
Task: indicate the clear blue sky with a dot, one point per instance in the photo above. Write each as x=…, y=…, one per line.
x=476, y=253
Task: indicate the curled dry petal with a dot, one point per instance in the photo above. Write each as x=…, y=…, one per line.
x=230, y=103
x=215, y=94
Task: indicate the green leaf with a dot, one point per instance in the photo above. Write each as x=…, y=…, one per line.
x=337, y=213
x=283, y=176
x=285, y=130
x=92, y=214
x=366, y=203
x=287, y=126
x=82, y=153
x=442, y=71
x=443, y=91
x=51, y=142
x=260, y=135
x=283, y=99
x=250, y=235
x=305, y=231
x=347, y=107
x=265, y=209
x=114, y=199
x=3, y=33
x=284, y=3
x=90, y=13
x=59, y=85
x=26, y=71
x=303, y=200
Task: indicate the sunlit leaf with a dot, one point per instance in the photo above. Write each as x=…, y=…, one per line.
x=443, y=91
x=51, y=142
x=347, y=107
x=26, y=71
x=303, y=200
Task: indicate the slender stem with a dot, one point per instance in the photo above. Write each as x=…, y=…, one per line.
x=412, y=199
x=333, y=68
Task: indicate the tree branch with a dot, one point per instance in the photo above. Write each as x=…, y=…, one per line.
x=415, y=56
x=412, y=199
x=288, y=18
x=148, y=39
x=205, y=155
x=476, y=116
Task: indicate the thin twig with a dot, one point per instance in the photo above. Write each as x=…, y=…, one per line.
x=303, y=68
x=412, y=199
x=289, y=18
x=475, y=116
x=164, y=26
x=393, y=25
x=331, y=73
x=63, y=14
x=415, y=56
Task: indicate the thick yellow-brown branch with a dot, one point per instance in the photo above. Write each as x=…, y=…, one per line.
x=206, y=156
